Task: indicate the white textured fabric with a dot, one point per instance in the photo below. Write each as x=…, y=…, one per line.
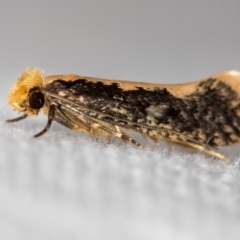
x=65, y=185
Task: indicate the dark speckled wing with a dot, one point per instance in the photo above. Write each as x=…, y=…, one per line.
x=208, y=114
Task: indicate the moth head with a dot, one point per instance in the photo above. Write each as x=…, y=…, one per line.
x=25, y=96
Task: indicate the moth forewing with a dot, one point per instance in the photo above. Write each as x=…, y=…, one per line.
x=69, y=115
x=202, y=114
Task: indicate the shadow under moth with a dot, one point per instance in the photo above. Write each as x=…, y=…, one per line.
x=203, y=114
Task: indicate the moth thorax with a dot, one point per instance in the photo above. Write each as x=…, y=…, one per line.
x=36, y=98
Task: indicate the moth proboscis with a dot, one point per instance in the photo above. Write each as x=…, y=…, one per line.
x=204, y=114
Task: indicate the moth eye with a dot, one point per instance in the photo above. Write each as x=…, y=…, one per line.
x=36, y=100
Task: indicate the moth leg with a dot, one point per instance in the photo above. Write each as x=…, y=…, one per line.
x=127, y=138
x=49, y=122
x=73, y=122
x=118, y=130
x=208, y=150
x=80, y=122
x=17, y=119
x=117, y=133
x=95, y=126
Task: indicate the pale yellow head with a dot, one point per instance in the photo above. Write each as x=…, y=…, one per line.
x=20, y=94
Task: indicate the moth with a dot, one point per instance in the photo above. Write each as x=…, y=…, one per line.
x=203, y=114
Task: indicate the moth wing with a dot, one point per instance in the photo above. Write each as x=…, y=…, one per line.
x=80, y=123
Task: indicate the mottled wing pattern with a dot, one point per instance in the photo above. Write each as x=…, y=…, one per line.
x=203, y=113
x=67, y=116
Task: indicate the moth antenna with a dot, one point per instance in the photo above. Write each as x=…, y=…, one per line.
x=17, y=119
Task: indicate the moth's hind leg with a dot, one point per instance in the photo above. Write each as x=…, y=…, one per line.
x=116, y=132
x=207, y=150
x=126, y=138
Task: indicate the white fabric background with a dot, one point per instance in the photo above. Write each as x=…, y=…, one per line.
x=66, y=185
